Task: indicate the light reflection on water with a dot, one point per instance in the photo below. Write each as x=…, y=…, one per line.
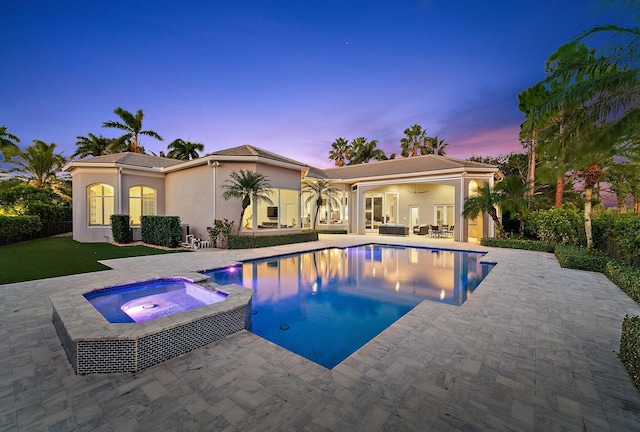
x=333, y=301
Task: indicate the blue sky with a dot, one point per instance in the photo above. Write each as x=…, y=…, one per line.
x=288, y=76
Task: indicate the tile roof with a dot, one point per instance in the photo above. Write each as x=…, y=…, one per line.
x=416, y=164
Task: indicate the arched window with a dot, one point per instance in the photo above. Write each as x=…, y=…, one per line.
x=142, y=202
x=100, y=204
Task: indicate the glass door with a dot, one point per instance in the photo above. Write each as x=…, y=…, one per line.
x=373, y=212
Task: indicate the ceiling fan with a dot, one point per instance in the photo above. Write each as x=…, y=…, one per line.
x=416, y=191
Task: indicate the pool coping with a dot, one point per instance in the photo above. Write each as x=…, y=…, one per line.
x=93, y=345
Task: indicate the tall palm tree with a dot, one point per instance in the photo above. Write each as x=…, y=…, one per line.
x=365, y=151
x=250, y=187
x=340, y=151
x=39, y=164
x=91, y=145
x=435, y=146
x=318, y=191
x=184, y=150
x=614, y=91
x=413, y=141
x=8, y=143
x=486, y=201
x=132, y=125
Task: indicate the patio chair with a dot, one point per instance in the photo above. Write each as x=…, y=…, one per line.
x=450, y=232
x=435, y=230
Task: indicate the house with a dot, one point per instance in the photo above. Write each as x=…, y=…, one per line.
x=423, y=190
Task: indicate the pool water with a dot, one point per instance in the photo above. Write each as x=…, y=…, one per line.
x=326, y=304
x=149, y=300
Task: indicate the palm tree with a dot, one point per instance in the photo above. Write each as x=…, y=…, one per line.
x=486, y=201
x=414, y=141
x=184, y=150
x=513, y=192
x=132, y=125
x=365, y=151
x=318, y=191
x=8, y=143
x=250, y=187
x=340, y=151
x=91, y=145
x=435, y=146
x=38, y=164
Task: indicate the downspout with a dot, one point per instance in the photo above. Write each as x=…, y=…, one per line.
x=463, y=224
x=215, y=165
x=119, y=188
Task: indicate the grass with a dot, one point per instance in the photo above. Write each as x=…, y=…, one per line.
x=60, y=256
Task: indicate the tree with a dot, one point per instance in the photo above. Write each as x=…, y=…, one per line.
x=8, y=143
x=528, y=101
x=613, y=94
x=435, y=146
x=184, y=150
x=132, y=125
x=340, y=151
x=365, y=151
x=619, y=177
x=486, y=201
x=250, y=187
x=413, y=141
x=39, y=164
x=92, y=145
x=512, y=191
x=318, y=191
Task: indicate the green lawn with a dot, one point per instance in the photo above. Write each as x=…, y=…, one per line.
x=60, y=256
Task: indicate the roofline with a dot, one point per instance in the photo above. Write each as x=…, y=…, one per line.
x=431, y=173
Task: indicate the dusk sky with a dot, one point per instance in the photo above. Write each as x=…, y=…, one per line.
x=288, y=76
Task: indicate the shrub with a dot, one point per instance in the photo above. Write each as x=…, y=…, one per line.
x=626, y=233
x=630, y=347
x=626, y=276
x=581, y=258
x=330, y=231
x=15, y=228
x=120, y=228
x=219, y=232
x=161, y=230
x=517, y=244
x=557, y=226
x=248, y=242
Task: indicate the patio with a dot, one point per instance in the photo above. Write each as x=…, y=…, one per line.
x=534, y=348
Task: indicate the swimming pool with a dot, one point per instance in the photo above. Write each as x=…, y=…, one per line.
x=326, y=304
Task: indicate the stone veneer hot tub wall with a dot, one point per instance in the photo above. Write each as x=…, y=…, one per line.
x=93, y=345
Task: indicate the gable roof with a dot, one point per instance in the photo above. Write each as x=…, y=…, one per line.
x=251, y=151
x=418, y=164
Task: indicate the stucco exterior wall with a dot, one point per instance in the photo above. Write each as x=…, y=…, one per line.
x=81, y=179
x=189, y=194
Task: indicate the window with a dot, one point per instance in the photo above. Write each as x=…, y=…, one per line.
x=100, y=204
x=282, y=212
x=142, y=202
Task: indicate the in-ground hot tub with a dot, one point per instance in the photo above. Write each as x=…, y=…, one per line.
x=95, y=345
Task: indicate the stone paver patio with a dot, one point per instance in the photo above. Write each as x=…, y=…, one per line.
x=534, y=348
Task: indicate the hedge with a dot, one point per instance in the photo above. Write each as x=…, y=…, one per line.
x=120, y=228
x=630, y=347
x=248, y=242
x=15, y=228
x=531, y=245
x=626, y=276
x=557, y=226
x=581, y=259
x=161, y=230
